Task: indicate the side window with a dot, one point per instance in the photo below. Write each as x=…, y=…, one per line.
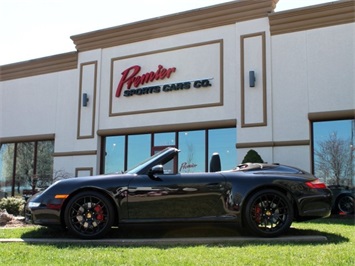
x=169, y=167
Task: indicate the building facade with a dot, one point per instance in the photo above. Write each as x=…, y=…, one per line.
x=227, y=78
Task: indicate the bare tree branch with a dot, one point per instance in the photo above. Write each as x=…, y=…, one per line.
x=334, y=160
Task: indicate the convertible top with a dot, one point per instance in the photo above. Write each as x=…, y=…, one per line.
x=267, y=167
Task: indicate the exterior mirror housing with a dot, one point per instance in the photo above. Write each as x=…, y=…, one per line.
x=157, y=169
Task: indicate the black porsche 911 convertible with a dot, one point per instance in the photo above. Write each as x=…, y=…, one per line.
x=262, y=198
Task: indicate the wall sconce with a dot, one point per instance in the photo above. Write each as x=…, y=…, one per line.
x=251, y=78
x=85, y=99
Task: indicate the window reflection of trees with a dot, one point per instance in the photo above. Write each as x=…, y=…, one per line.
x=6, y=166
x=334, y=152
x=25, y=165
x=192, y=155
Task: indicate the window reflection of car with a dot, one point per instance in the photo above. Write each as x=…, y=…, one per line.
x=343, y=199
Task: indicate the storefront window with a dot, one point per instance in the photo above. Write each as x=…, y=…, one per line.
x=333, y=151
x=6, y=167
x=114, y=154
x=164, y=139
x=192, y=157
x=25, y=166
x=196, y=148
x=223, y=142
x=44, y=164
x=139, y=148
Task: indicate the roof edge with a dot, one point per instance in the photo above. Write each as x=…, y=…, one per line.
x=198, y=19
x=318, y=16
x=44, y=65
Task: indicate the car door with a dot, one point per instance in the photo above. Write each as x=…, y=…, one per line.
x=176, y=196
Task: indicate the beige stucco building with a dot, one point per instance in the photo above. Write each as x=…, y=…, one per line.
x=191, y=71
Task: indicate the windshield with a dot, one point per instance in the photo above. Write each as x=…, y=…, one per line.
x=146, y=162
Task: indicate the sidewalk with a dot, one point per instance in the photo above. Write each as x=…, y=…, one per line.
x=169, y=241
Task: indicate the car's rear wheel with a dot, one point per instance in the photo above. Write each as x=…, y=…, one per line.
x=345, y=204
x=89, y=215
x=268, y=213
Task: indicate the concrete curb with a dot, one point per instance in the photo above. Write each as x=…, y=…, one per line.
x=170, y=241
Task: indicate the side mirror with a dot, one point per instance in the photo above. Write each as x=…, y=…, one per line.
x=157, y=169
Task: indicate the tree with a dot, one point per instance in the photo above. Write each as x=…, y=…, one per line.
x=334, y=160
x=61, y=174
x=252, y=157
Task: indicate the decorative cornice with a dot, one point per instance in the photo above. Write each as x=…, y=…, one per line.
x=325, y=15
x=39, y=66
x=199, y=19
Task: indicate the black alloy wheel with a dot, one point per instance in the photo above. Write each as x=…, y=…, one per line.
x=268, y=213
x=89, y=215
x=346, y=204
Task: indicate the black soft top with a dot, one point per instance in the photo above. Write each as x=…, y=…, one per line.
x=267, y=168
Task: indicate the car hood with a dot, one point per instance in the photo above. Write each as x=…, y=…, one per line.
x=107, y=182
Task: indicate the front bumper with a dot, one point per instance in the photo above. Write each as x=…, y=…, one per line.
x=43, y=212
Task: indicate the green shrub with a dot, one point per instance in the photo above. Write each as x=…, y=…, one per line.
x=12, y=205
x=252, y=157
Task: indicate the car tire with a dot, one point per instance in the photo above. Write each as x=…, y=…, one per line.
x=89, y=215
x=268, y=213
x=345, y=204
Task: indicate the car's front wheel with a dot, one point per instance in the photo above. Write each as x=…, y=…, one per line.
x=268, y=213
x=89, y=215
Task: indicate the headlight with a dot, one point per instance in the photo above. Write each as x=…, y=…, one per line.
x=33, y=204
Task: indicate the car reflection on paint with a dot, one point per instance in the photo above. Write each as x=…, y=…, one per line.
x=262, y=199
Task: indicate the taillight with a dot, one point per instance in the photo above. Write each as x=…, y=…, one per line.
x=316, y=184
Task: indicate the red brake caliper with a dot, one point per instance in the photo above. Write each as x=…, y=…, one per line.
x=99, y=213
x=257, y=214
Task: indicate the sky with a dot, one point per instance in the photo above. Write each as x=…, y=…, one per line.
x=31, y=29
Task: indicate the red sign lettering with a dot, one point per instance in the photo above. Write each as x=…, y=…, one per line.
x=130, y=77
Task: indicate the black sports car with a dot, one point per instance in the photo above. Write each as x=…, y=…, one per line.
x=263, y=198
